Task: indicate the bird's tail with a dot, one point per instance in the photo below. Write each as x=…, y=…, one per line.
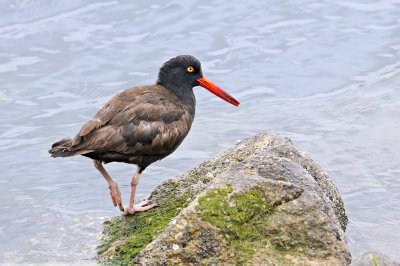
x=62, y=148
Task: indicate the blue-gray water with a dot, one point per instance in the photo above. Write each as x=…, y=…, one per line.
x=325, y=73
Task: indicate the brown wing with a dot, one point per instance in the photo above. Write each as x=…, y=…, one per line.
x=147, y=120
x=113, y=107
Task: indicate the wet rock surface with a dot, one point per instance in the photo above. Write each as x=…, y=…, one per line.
x=374, y=259
x=262, y=202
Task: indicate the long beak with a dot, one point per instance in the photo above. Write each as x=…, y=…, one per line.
x=205, y=83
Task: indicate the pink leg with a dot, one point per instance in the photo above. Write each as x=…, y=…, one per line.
x=142, y=206
x=115, y=193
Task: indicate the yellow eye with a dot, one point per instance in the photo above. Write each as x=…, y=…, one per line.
x=190, y=69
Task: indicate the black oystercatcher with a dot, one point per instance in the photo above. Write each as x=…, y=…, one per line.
x=142, y=125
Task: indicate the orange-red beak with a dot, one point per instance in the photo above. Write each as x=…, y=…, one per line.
x=205, y=83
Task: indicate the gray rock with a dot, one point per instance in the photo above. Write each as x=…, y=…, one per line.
x=262, y=202
x=374, y=259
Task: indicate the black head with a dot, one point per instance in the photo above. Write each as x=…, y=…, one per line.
x=180, y=74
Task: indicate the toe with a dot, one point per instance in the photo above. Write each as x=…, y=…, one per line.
x=128, y=211
x=141, y=204
x=145, y=208
x=141, y=207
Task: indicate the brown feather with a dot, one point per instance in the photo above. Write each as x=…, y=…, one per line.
x=139, y=125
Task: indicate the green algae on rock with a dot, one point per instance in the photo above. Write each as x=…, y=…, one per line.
x=241, y=218
x=126, y=237
x=262, y=202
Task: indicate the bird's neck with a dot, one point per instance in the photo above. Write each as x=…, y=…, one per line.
x=185, y=94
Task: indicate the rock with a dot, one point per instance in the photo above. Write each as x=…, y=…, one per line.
x=262, y=202
x=374, y=259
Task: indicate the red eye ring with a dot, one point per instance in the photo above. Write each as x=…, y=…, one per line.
x=190, y=69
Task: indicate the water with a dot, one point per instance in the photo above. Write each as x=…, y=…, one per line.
x=325, y=73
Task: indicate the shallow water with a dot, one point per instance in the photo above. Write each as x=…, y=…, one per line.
x=325, y=73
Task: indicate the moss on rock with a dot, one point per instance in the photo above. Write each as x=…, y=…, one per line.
x=240, y=216
x=134, y=232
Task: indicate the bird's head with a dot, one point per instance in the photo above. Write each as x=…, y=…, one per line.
x=180, y=74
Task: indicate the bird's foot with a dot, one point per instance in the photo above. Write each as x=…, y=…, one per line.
x=115, y=194
x=140, y=207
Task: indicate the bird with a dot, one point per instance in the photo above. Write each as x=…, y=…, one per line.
x=142, y=125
